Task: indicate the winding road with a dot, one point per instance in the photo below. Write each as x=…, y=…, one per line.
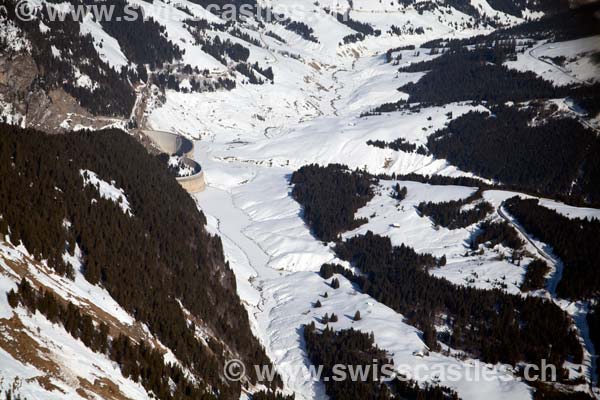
x=564, y=72
x=579, y=317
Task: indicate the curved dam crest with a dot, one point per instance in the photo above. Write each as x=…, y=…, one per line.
x=174, y=144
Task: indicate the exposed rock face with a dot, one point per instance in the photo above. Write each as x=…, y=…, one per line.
x=16, y=76
x=30, y=104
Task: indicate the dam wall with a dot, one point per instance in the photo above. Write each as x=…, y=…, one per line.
x=193, y=183
x=172, y=143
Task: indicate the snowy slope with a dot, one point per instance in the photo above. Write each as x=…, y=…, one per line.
x=250, y=139
x=281, y=257
x=577, y=66
x=41, y=359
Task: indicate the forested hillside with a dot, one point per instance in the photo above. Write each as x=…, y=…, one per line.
x=113, y=95
x=573, y=240
x=330, y=196
x=539, y=157
x=357, y=349
x=360, y=160
x=489, y=324
x=157, y=260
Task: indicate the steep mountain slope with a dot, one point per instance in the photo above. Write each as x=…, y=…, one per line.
x=84, y=59
x=262, y=98
x=85, y=219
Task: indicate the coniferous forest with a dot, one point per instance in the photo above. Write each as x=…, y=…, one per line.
x=149, y=261
x=357, y=349
x=155, y=49
x=540, y=158
x=565, y=23
x=494, y=233
x=138, y=361
x=120, y=282
x=575, y=241
x=488, y=324
x=457, y=76
x=330, y=196
x=451, y=214
x=113, y=96
x=535, y=276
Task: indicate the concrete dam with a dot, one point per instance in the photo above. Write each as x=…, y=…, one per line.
x=174, y=144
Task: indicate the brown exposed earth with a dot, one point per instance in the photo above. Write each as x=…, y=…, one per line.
x=53, y=111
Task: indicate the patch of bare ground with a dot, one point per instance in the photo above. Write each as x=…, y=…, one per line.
x=15, y=340
x=18, y=341
x=24, y=269
x=102, y=387
x=53, y=111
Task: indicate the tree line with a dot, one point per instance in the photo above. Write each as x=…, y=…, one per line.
x=151, y=263
x=538, y=158
x=575, y=241
x=357, y=349
x=330, y=197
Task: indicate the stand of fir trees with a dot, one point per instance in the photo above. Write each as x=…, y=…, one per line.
x=564, y=24
x=451, y=214
x=330, y=196
x=113, y=94
x=399, y=144
x=488, y=324
x=573, y=240
x=152, y=262
x=399, y=193
x=356, y=349
x=493, y=233
x=458, y=74
x=539, y=158
x=156, y=49
x=139, y=362
x=535, y=276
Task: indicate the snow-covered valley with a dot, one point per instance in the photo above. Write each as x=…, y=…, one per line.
x=317, y=109
x=276, y=259
x=274, y=255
